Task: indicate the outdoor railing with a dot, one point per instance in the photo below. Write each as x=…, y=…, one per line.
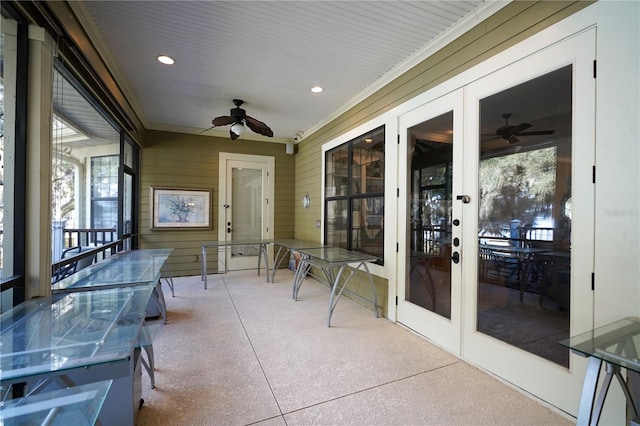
x=88, y=236
x=98, y=252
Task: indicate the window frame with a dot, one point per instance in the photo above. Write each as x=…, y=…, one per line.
x=118, y=181
x=357, y=190
x=16, y=280
x=128, y=167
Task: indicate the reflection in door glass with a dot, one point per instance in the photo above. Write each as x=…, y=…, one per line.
x=430, y=167
x=524, y=231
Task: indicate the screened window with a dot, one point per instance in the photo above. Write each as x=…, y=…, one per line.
x=86, y=150
x=354, y=195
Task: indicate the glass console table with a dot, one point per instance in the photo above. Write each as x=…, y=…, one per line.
x=79, y=405
x=328, y=259
x=74, y=339
x=617, y=346
x=289, y=245
x=126, y=269
x=222, y=246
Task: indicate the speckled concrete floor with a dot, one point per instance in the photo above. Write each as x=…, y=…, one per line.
x=243, y=352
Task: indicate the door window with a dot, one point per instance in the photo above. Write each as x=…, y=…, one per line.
x=430, y=159
x=247, y=212
x=524, y=233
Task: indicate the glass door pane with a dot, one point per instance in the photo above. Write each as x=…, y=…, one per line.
x=247, y=197
x=246, y=217
x=430, y=156
x=524, y=217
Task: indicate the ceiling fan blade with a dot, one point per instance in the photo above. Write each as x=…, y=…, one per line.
x=521, y=127
x=223, y=121
x=258, y=126
x=537, y=132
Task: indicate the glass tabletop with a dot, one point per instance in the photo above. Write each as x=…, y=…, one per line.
x=295, y=243
x=76, y=330
x=235, y=243
x=128, y=268
x=68, y=406
x=148, y=334
x=616, y=343
x=337, y=255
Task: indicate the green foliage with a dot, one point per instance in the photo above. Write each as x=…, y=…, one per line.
x=62, y=190
x=517, y=186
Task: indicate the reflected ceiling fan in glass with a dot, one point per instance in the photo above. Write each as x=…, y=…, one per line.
x=511, y=132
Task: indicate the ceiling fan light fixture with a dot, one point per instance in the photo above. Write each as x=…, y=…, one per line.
x=238, y=118
x=167, y=60
x=237, y=129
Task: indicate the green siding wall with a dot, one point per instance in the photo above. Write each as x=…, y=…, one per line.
x=191, y=161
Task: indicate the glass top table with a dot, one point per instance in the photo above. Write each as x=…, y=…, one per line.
x=328, y=259
x=51, y=335
x=136, y=267
x=290, y=244
x=68, y=406
x=337, y=255
x=617, y=345
x=262, y=254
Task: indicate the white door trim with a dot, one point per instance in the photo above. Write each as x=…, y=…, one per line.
x=265, y=162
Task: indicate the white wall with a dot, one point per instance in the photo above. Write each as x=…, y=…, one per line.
x=617, y=213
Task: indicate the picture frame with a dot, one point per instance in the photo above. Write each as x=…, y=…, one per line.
x=180, y=208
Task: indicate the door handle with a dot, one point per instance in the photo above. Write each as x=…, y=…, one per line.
x=464, y=198
x=228, y=230
x=455, y=257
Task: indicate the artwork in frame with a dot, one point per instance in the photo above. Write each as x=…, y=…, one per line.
x=180, y=208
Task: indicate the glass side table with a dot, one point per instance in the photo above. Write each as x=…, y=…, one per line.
x=617, y=345
x=66, y=406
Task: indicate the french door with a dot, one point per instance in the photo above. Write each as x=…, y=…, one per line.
x=246, y=207
x=429, y=299
x=499, y=201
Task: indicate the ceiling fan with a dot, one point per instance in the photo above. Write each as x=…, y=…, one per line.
x=509, y=132
x=238, y=118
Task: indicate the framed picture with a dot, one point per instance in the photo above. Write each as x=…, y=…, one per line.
x=180, y=208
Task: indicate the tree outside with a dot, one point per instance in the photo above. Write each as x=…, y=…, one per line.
x=519, y=186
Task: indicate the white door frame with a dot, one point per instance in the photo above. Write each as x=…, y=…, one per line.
x=543, y=378
x=446, y=332
x=266, y=163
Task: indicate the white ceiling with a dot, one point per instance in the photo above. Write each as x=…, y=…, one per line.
x=268, y=53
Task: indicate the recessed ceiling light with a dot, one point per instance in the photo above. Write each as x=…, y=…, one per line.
x=167, y=60
x=316, y=89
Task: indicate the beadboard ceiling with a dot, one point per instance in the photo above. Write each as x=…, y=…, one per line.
x=268, y=53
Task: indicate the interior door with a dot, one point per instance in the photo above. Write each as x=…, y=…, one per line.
x=429, y=298
x=528, y=159
x=246, y=207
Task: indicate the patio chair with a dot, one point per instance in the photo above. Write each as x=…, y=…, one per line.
x=73, y=267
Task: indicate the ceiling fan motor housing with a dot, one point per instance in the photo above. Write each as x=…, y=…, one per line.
x=237, y=113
